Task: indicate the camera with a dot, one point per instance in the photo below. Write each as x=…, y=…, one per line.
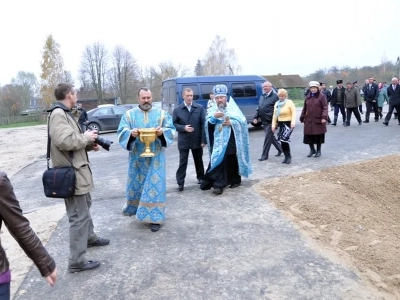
x=103, y=143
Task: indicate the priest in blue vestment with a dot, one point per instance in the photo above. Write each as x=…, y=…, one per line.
x=146, y=185
x=228, y=141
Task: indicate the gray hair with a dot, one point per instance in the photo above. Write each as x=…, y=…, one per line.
x=267, y=83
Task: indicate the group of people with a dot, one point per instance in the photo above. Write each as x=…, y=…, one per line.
x=222, y=127
x=348, y=100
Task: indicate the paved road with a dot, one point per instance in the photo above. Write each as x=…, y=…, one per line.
x=234, y=246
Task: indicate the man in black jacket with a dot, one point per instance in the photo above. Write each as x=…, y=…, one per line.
x=393, y=92
x=265, y=112
x=188, y=119
x=371, y=93
x=338, y=102
x=327, y=94
x=83, y=118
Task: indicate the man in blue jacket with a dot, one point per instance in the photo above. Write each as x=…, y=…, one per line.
x=188, y=119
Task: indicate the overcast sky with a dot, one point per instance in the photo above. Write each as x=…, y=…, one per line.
x=269, y=36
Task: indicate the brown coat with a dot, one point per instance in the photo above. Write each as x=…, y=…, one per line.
x=66, y=135
x=314, y=111
x=18, y=225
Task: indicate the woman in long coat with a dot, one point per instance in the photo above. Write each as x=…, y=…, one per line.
x=314, y=116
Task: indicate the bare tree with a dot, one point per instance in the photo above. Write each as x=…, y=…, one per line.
x=68, y=77
x=94, y=68
x=165, y=70
x=25, y=86
x=220, y=60
x=52, y=69
x=124, y=75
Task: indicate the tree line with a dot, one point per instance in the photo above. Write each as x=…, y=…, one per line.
x=383, y=72
x=107, y=72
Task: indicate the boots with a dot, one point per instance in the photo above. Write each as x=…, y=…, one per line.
x=318, y=154
x=312, y=150
x=344, y=121
x=334, y=121
x=288, y=157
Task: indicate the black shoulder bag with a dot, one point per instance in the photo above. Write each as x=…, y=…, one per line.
x=58, y=182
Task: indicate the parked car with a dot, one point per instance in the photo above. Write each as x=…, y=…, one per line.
x=32, y=111
x=129, y=105
x=105, y=118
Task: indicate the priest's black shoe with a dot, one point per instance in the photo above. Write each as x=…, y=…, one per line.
x=90, y=265
x=234, y=185
x=318, y=154
x=262, y=159
x=155, y=227
x=385, y=123
x=181, y=187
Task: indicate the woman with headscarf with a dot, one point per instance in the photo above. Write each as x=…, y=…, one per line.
x=285, y=119
x=314, y=116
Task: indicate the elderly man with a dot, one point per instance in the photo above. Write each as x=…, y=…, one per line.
x=393, y=92
x=188, y=119
x=146, y=186
x=352, y=100
x=265, y=112
x=228, y=140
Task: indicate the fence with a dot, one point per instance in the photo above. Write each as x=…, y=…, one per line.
x=23, y=119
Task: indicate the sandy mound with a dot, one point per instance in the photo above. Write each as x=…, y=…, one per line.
x=353, y=209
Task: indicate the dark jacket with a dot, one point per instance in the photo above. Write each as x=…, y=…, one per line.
x=265, y=109
x=18, y=225
x=372, y=93
x=327, y=94
x=196, y=118
x=394, y=95
x=83, y=116
x=352, y=98
x=334, y=96
x=314, y=111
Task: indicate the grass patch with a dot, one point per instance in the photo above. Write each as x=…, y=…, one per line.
x=23, y=124
x=298, y=102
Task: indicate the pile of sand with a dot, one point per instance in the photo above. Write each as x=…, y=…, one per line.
x=353, y=209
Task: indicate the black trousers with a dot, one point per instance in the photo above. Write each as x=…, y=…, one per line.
x=356, y=114
x=183, y=162
x=268, y=140
x=226, y=173
x=371, y=105
x=389, y=114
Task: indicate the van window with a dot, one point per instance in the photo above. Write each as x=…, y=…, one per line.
x=206, y=89
x=243, y=90
x=172, y=95
x=195, y=91
x=165, y=94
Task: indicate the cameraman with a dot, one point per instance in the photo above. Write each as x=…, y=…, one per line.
x=66, y=136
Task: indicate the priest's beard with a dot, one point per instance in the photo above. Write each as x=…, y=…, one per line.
x=145, y=106
x=222, y=107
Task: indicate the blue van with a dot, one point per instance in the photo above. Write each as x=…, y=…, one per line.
x=245, y=89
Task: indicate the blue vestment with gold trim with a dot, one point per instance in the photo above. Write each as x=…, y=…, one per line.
x=146, y=185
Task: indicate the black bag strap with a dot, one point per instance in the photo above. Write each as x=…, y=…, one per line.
x=71, y=153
